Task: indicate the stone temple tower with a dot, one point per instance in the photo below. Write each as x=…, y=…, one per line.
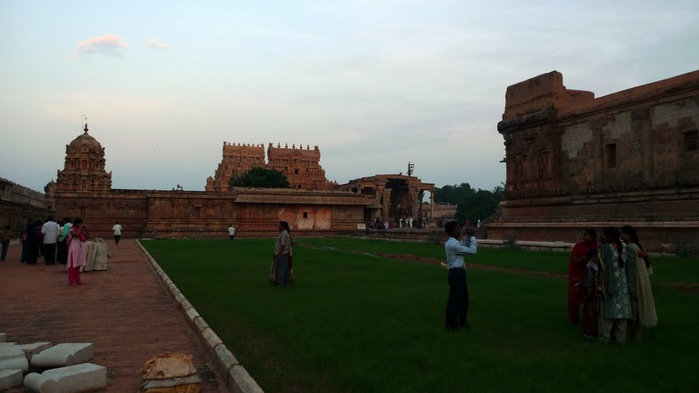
x=84, y=167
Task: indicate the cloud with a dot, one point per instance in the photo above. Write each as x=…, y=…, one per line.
x=155, y=43
x=108, y=44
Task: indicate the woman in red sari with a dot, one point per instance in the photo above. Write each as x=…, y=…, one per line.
x=76, y=253
x=577, y=271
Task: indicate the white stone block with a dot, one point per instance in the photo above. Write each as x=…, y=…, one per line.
x=34, y=348
x=10, y=378
x=13, y=358
x=3, y=337
x=77, y=378
x=39, y=383
x=64, y=355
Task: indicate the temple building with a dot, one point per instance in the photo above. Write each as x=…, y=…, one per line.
x=576, y=161
x=83, y=189
x=394, y=196
x=300, y=166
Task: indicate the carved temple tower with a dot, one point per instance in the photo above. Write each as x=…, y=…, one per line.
x=84, y=167
x=237, y=160
x=300, y=166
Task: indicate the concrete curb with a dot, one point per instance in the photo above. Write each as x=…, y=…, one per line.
x=229, y=369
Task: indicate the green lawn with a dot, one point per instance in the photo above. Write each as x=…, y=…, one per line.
x=355, y=322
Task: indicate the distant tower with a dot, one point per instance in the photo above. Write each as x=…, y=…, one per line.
x=84, y=167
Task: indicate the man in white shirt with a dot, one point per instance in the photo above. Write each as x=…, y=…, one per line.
x=457, y=304
x=231, y=232
x=50, y=232
x=117, y=232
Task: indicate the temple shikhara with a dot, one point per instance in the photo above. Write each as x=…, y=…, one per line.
x=576, y=161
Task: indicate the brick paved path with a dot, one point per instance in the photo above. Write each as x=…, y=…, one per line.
x=125, y=312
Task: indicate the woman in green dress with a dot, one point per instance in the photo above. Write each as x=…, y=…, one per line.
x=640, y=290
x=615, y=304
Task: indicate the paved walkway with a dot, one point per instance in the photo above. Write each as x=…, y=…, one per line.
x=125, y=311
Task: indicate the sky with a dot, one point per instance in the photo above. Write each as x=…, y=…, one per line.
x=375, y=84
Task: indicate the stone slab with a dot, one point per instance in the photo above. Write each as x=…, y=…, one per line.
x=3, y=337
x=78, y=378
x=10, y=378
x=34, y=348
x=12, y=357
x=62, y=355
x=38, y=383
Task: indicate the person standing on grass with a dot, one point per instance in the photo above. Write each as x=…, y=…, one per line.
x=282, y=252
x=577, y=269
x=615, y=304
x=117, y=232
x=640, y=290
x=76, y=253
x=457, y=304
x=231, y=232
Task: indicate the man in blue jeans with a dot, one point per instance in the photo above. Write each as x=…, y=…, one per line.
x=456, y=247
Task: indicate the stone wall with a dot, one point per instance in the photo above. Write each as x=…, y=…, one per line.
x=575, y=161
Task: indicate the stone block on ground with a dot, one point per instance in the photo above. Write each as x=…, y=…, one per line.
x=3, y=337
x=62, y=355
x=34, y=348
x=70, y=379
x=10, y=378
x=96, y=255
x=13, y=358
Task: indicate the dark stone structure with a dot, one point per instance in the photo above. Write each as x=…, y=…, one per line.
x=575, y=161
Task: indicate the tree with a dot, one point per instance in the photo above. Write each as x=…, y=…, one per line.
x=471, y=203
x=452, y=194
x=260, y=178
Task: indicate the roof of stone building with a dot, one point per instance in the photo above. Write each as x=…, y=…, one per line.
x=85, y=139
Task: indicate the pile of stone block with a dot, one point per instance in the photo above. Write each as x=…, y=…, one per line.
x=170, y=373
x=47, y=368
x=96, y=255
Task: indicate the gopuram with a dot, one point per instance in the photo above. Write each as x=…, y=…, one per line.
x=576, y=161
x=84, y=189
x=300, y=166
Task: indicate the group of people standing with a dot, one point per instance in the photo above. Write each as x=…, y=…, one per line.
x=56, y=241
x=611, y=283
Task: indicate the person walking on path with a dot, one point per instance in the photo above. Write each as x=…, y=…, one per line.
x=457, y=303
x=50, y=232
x=577, y=270
x=5, y=237
x=231, y=232
x=117, y=232
x=76, y=254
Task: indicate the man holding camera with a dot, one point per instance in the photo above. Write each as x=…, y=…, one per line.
x=456, y=247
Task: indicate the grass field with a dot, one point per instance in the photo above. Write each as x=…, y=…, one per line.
x=355, y=322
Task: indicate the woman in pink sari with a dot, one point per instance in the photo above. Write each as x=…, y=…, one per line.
x=76, y=253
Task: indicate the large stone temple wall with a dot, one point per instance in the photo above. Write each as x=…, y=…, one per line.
x=574, y=161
